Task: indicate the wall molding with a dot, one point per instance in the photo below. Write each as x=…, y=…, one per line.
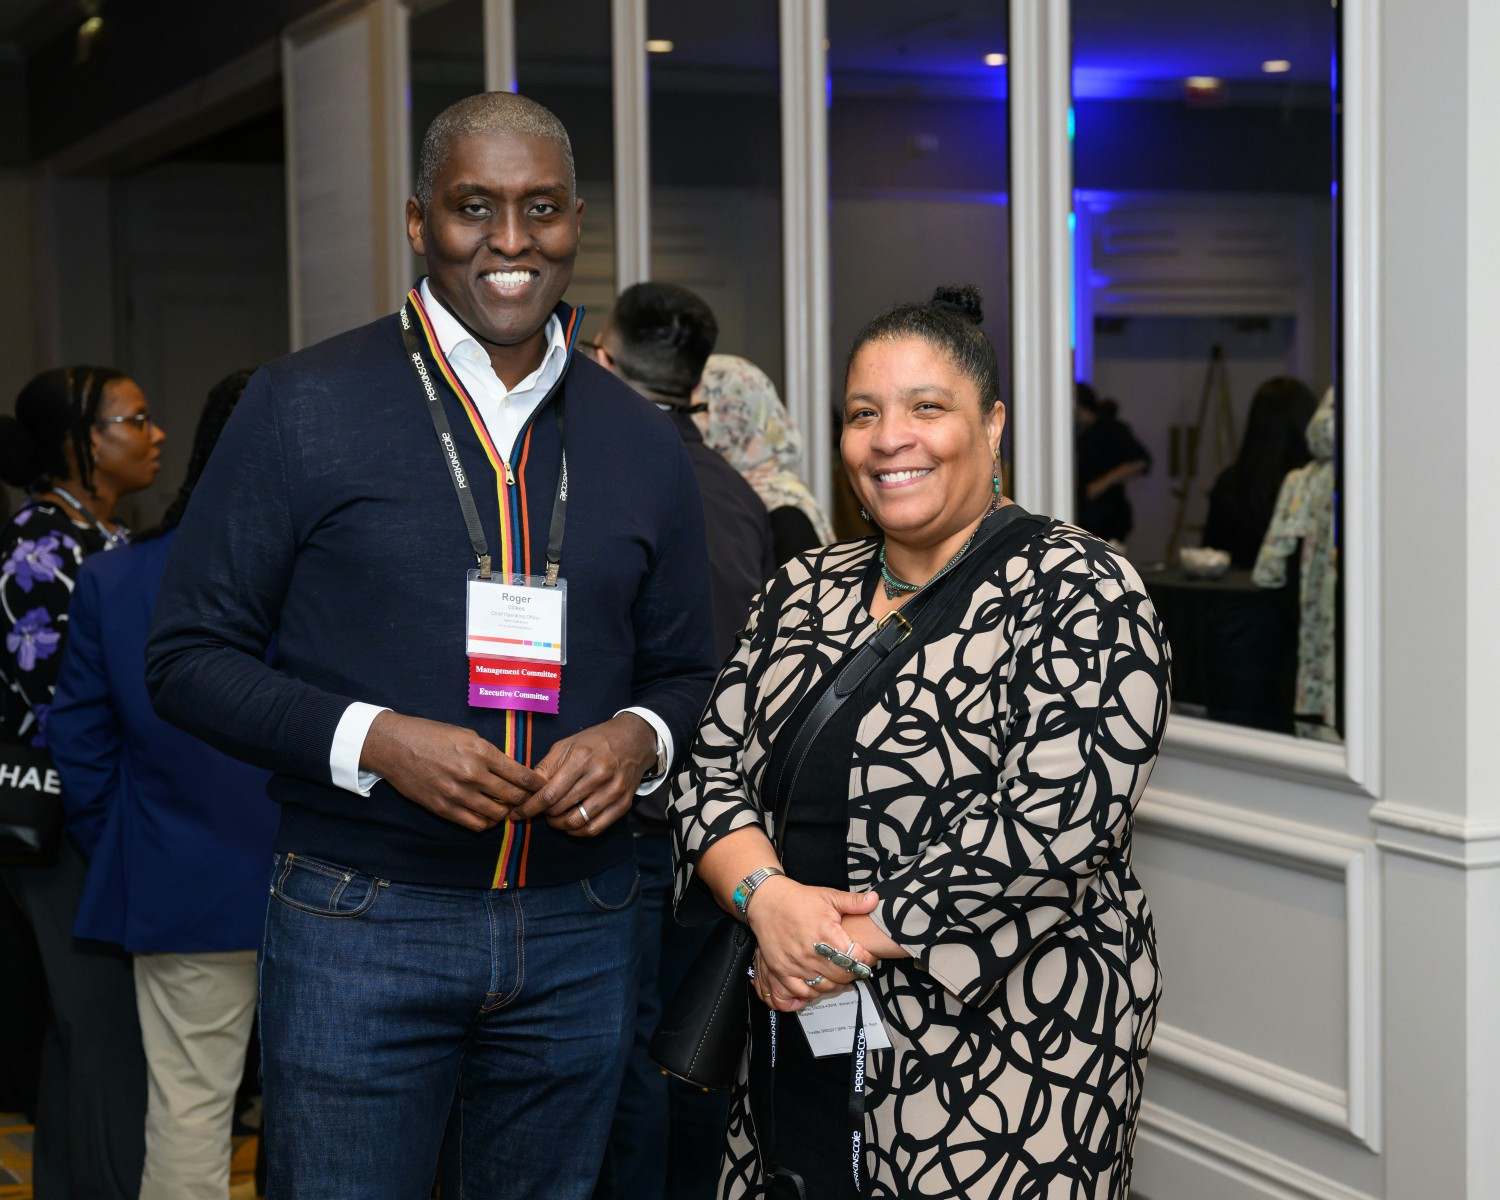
x=1360, y=557
x=1354, y=1109
x=1275, y=1177
x=1220, y=1063
x=1434, y=836
x=1298, y=760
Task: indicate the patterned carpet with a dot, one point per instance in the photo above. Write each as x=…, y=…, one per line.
x=15, y=1162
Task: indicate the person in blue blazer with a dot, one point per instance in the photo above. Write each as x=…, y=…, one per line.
x=178, y=838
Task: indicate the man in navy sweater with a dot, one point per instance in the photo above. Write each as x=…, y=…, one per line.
x=447, y=967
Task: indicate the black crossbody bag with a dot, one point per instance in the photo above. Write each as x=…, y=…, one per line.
x=702, y=1032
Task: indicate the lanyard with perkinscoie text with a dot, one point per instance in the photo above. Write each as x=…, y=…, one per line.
x=413, y=318
x=856, y=1108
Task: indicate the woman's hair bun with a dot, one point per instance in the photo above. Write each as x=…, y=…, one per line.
x=961, y=299
x=18, y=454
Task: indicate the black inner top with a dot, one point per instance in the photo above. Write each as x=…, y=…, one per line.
x=810, y=1099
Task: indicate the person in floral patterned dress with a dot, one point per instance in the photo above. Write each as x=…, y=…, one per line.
x=81, y=438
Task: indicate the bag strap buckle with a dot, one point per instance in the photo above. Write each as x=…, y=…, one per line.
x=895, y=617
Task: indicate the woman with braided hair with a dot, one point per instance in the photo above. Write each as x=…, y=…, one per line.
x=178, y=838
x=80, y=439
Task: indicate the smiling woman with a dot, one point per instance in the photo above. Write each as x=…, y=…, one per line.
x=922, y=426
x=959, y=820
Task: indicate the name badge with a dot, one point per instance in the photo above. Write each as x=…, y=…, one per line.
x=829, y=1022
x=516, y=641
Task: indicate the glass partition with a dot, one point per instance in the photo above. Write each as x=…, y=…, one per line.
x=716, y=166
x=1207, y=337
x=919, y=173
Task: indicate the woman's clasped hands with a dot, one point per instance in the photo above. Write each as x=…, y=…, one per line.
x=789, y=919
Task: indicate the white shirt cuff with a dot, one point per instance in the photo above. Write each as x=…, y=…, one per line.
x=664, y=735
x=349, y=744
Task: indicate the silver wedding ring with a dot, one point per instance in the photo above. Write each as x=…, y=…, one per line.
x=584, y=811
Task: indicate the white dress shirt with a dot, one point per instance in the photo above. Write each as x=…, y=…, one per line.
x=505, y=412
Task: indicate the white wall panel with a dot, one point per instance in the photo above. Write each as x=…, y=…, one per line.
x=1267, y=929
x=1176, y=1156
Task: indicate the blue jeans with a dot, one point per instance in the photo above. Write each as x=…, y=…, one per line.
x=405, y=1025
x=668, y=1136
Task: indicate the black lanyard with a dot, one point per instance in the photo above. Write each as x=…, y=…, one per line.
x=418, y=356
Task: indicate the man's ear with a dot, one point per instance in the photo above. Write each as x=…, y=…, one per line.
x=415, y=223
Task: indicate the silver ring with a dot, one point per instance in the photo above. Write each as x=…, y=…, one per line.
x=814, y=981
x=850, y=952
x=584, y=811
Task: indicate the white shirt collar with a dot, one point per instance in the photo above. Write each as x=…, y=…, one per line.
x=451, y=335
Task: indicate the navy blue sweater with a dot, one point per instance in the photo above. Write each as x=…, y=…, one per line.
x=326, y=524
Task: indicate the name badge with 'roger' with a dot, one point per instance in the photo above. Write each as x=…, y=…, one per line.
x=515, y=640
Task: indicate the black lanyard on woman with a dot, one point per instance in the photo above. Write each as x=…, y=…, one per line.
x=998, y=533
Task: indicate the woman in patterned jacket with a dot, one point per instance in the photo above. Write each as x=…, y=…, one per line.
x=81, y=439
x=963, y=825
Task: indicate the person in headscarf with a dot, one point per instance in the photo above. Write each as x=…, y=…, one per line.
x=747, y=423
x=1304, y=525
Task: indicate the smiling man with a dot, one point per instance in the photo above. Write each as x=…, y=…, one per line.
x=477, y=562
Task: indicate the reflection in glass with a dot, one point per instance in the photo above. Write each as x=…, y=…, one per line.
x=716, y=167
x=1206, y=325
x=919, y=175
x=563, y=61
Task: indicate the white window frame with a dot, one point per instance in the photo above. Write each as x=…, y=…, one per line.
x=1041, y=251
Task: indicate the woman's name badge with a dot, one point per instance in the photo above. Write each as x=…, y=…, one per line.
x=515, y=637
x=829, y=1022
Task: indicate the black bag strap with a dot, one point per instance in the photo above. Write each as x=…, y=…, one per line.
x=1001, y=531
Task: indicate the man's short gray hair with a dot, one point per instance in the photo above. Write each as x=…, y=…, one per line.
x=488, y=112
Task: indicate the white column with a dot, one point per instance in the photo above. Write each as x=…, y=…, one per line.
x=1483, y=579
x=1438, y=819
x=632, y=144
x=804, y=234
x=1041, y=182
x=499, y=45
x=348, y=165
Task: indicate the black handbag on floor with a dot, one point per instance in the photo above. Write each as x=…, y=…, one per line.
x=701, y=1035
x=31, y=808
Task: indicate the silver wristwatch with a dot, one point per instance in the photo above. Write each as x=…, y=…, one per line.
x=659, y=768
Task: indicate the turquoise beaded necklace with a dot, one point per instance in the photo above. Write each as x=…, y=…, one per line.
x=896, y=586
